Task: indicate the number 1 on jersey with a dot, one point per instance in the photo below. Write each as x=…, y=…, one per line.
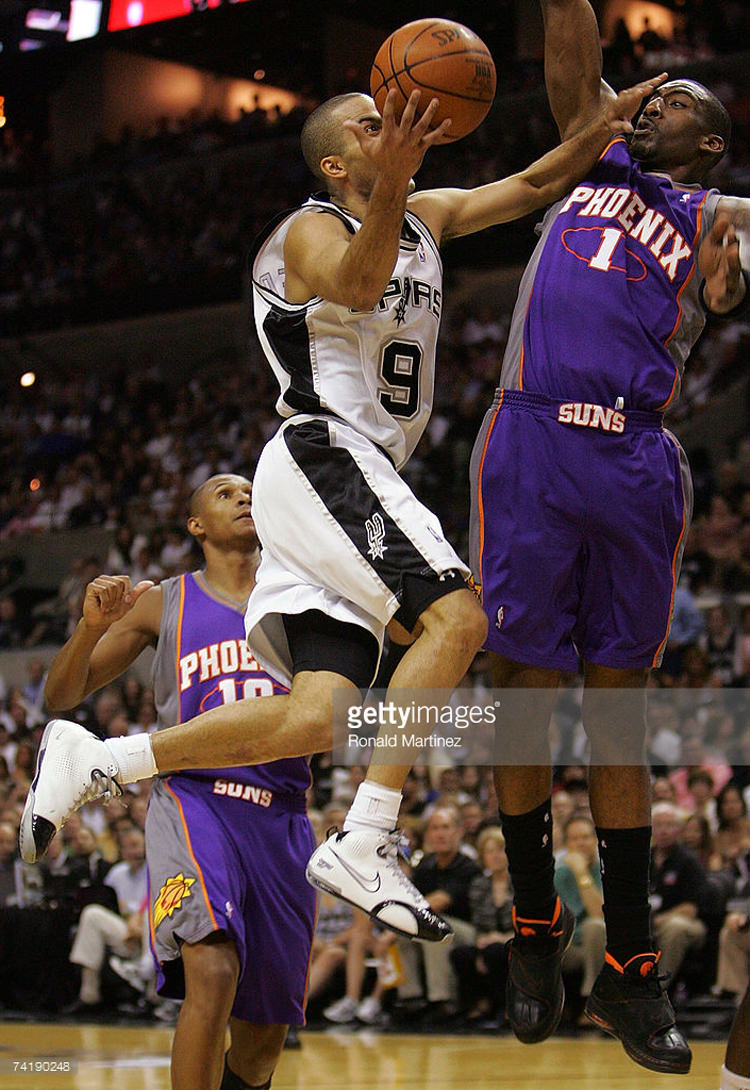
x=602, y=259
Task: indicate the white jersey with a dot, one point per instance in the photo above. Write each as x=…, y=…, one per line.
x=374, y=369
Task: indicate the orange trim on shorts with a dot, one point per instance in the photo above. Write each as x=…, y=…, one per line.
x=309, y=958
x=480, y=499
x=699, y=220
x=660, y=648
x=198, y=871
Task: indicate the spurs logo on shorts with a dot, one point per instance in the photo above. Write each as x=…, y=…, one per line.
x=170, y=897
x=376, y=536
x=586, y=415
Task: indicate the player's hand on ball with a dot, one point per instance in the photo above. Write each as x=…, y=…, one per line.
x=398, y=147
x=110, y=597
x=620, y=111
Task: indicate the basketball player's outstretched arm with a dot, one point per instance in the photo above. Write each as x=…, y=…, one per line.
x=452, y=212
x=572, y=63
x=321, y=257
x=118, y=621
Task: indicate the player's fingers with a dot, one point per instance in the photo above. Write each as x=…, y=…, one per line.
x=436, y=135
x=109, y=588
x=389, y=107
x=425, y=121
x=720, y=228
x=139, y=589
x=655, y=81
x=410, y=110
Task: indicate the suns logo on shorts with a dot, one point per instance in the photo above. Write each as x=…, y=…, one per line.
x=170, y=897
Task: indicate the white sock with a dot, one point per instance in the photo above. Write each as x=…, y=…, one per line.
x=374, y=807
x=134, y=756
x=90, y=992
x=730, y=1081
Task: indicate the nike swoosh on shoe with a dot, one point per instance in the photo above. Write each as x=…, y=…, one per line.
x=371, y=885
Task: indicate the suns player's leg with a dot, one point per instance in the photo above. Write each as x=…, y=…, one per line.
x=628, y=998
x=212, y=969
x=253, y=1055
x=614, y=706
x=543, y=927
x=523, y=790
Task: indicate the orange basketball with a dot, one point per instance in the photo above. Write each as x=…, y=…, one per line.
x=445, y=60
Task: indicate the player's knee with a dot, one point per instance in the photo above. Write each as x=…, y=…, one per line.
x=212, y=977
x=462, y=622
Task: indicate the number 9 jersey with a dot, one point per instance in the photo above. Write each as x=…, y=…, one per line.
x=373, y=369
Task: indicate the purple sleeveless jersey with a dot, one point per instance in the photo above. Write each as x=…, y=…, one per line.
x=581, y=500
x=227, y=847
x=609, y=305
x=205, y=638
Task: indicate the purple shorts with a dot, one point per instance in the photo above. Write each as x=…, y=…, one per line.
x=579, y=517
x=233, y=864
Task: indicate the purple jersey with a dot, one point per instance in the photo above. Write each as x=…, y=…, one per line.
x=202, y=661
x=618, y=254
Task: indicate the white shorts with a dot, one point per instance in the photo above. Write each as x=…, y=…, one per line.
x=339, y=530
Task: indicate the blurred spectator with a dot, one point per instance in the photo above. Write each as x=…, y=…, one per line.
x=698, y=837
x=734, y=940
x=443, y=877
x=733, y=835
x=719, y=642
x=700, y=786
x=579, y=885
x=562, y=808
x=686, y=628
x=122, y=932
x=481, y=966
x=678, y=884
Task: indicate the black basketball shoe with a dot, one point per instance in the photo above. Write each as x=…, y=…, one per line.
x=630, y=1002
x=534, y=993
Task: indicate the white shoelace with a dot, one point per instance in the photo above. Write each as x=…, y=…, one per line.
x=102, y=786
x=394, y=846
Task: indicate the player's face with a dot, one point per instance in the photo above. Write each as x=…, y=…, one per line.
x=670, y=129
x=360, y=169
x=362, y=112
x=226, y=510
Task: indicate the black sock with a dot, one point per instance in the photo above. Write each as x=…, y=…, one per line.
x=528, y=844
x=625, y=858
x=231, y=1081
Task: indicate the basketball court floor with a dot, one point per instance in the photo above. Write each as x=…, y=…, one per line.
x=137, y=1058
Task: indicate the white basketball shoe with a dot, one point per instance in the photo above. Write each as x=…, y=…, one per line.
x=73, y=767
x=361, y=866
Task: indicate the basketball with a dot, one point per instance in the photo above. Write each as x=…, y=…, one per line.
x=444, y=60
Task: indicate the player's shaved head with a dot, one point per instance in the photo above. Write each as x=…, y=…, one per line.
x=712, y=109
x=323, y=134
x=210, y=486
